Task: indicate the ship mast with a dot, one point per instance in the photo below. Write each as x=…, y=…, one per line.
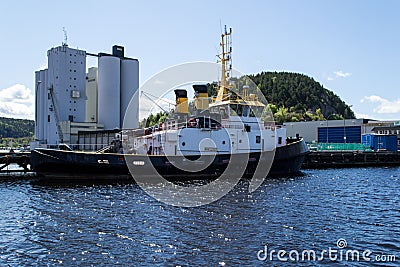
x=226, y=62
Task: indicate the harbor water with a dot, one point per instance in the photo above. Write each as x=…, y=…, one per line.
x=334, y=210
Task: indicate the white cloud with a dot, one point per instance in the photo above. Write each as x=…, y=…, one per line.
x=362, y=115
x=17, y=101
x=338, y=74
x=341, y=74
x=384, y=106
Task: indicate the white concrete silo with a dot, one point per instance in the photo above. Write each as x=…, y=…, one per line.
x=109, y=94
x=129, y=86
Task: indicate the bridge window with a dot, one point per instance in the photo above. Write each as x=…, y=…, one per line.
x=245, y=111
x=224, y=112
x=236, y=109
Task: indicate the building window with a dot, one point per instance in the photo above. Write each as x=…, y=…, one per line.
x=258, y=139
x=280, y=140
x=48, y=118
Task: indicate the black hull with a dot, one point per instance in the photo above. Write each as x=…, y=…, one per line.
x=59, y=164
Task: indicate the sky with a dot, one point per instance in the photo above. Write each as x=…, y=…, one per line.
x=350, y=47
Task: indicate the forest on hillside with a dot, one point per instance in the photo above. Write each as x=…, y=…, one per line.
x=16, y=128
x=300, y=97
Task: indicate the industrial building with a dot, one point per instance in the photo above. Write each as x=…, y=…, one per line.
x=69, y=101
x=328, y=131
x=342, y=131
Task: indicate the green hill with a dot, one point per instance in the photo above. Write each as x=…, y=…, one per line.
x=300, y=97
x=16, y=128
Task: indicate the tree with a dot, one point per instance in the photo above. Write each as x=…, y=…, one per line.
x=318, y=115
x=281, y=115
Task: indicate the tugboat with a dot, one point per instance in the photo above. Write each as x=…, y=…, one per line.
x=232, y=134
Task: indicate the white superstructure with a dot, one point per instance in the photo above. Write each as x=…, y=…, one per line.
x=227, y=127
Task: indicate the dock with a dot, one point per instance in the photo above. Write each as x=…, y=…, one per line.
x=20, y=159
x=343, y=159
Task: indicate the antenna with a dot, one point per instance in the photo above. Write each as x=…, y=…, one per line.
x=65, y=37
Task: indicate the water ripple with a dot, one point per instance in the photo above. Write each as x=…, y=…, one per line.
x=120, y=224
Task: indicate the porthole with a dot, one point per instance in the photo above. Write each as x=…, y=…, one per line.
x=183, y=143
